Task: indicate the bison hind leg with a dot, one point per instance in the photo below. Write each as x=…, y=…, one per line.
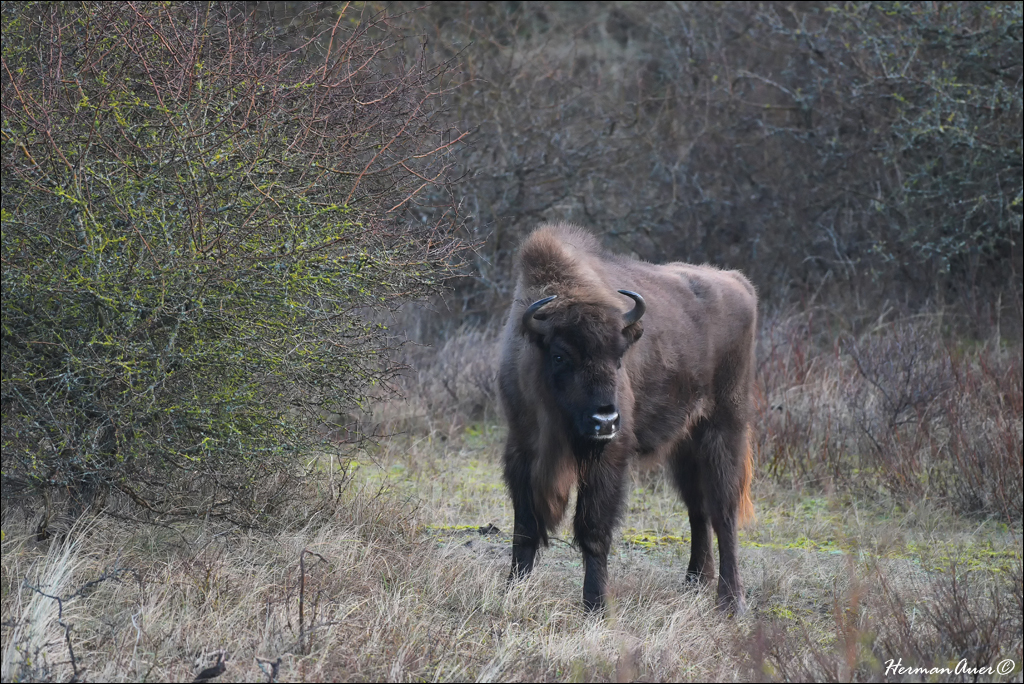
x=711, y=471
x=686, y=477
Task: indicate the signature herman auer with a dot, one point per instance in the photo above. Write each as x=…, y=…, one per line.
x=1003, y=667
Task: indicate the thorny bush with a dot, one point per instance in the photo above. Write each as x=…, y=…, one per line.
x=898, y=409
x=202, y=214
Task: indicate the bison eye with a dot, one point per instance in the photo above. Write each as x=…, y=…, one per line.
x=557, y=358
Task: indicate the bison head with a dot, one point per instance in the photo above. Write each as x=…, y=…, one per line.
x=582, y=347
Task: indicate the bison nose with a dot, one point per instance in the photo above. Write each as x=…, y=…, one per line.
x=606, y=421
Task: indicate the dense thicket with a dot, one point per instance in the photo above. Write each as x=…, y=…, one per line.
x=865, y=153
x=200, y=211
x=861, y=162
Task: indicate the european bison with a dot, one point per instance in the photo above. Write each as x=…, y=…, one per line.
x=607, y=358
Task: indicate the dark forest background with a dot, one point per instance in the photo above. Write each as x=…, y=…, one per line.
x=867, y=155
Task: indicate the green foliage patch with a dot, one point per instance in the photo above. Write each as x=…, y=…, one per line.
x=202, y=213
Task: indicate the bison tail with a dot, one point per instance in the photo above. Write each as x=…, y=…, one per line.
x=745, y=513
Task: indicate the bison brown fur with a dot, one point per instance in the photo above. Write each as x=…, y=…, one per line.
x=606, y=359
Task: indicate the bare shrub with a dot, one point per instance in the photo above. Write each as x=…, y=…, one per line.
x=899, y=407
x=969, y=618
x=448, y=387
x=803, y=428
x=975, y=444
x=904, y=368
x=884, y=632
x=199, y=209
x=941, y=421
x=466, y=367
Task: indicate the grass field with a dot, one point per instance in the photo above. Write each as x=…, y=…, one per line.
x=391, y=565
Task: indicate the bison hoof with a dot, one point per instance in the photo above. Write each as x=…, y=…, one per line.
x=732, y=606
x=698, y=579
x=516, y=576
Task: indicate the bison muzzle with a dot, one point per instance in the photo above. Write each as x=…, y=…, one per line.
x=607, y=359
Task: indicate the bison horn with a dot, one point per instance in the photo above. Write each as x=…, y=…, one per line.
x=637, y=312
x=528, y=322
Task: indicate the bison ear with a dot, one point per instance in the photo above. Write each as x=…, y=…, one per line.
x=537, y=335
x=533, y=321
x=634, y=332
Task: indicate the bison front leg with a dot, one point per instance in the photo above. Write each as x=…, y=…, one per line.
x=599, y=502
x=526, y=533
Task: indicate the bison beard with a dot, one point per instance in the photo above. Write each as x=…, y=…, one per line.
x=590, y=380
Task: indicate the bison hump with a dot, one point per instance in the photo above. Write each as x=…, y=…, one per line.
x=559, y=257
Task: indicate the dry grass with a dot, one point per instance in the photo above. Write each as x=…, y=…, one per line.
x=380, y=571
x=394, y=589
